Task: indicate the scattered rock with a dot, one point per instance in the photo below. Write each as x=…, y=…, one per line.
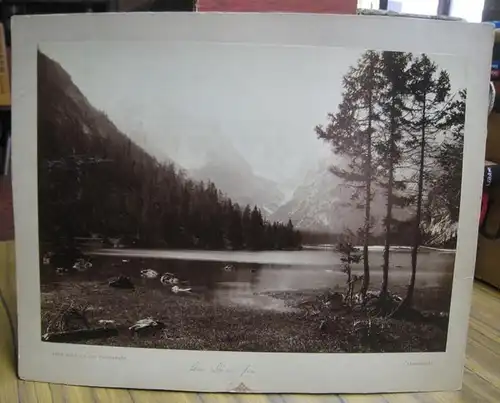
x=173, y=280
x=106, y=322
x=61, y=270
x=82, y=265
x=146, y=325
x=372, y=294
x=166, y=278
x=69, y=318
x=47, y=258
x=122, y=282
x=229, y=267
x=176, y=290
x=148, y=273
x=170, y=279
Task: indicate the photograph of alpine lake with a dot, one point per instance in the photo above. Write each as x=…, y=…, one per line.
x=241, y=197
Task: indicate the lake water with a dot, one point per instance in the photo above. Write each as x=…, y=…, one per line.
x=251, y=273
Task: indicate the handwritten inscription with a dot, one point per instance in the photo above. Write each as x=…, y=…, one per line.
x=222, y=368
x=89, y=356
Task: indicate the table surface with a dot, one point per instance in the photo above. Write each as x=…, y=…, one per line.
x=481, y=377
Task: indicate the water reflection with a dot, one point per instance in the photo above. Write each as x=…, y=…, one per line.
x=239, y=278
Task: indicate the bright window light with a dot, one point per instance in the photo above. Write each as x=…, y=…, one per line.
x=470, y=10
x=423, y=7
x=369, y=4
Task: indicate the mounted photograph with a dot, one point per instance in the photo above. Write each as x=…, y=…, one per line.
x=250, y=205
x=239, y=197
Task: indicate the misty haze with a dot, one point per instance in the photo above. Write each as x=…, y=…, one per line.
x=289, y=198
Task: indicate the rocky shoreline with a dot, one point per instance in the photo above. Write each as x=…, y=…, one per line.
x=318, y=322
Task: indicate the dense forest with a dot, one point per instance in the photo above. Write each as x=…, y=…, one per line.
x=401, y=127
x=94, y=182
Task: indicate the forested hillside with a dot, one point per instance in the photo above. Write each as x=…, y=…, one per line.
x=95, y=182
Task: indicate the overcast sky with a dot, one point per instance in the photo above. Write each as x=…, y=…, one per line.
x=184, y=100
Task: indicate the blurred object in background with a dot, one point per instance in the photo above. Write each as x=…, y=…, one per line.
x=5, y=102
x=495, y=62
x=423, y=7
x=491, y=9
x=6, y=215
x=295, y=6
x=495, y=67
x=468, y=10
x=369, y=4
x=8, y=8
x=156, y=5
x=4, y=72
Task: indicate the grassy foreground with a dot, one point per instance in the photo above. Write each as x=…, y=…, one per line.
x=192, y=322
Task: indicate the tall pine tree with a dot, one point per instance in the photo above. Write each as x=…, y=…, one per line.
x=350, y=132
x=393, y=109
x=430, y=93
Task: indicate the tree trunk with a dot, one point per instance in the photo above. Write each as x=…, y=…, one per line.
x=388, y=217
x=388, y=220
x=417, y=234
x=349, y=285
x=368, y=195
x=366, y=266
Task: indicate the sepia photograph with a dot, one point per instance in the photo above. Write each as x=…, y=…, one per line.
x=246, y=197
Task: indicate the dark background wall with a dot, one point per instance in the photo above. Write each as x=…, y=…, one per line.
x=491, y=10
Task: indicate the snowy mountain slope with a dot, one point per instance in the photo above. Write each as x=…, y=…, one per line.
x=323, y=203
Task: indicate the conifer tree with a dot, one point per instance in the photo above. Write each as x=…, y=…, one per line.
x=430, y=93
x=392, y=99
x=350, y=132
x=442, y=207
